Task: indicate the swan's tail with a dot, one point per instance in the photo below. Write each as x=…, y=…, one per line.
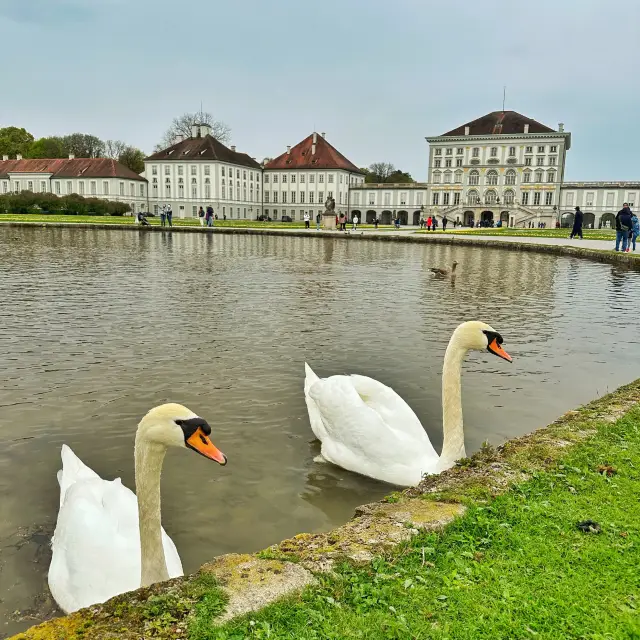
x=73, y=469
x=310, y=378
x=315, y=417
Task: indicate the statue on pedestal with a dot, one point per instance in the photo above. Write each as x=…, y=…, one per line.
x=329, y=216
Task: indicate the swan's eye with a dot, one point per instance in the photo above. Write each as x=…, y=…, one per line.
x=179, y=422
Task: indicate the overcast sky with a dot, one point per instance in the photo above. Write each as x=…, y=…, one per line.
x=377, y=76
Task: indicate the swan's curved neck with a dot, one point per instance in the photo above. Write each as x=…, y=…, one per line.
x=149, y=457
x=453, y=441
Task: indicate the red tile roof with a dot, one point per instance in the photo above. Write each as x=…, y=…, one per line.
x=301, y=157
x=499, y=123
x=205, y=148
x=66, y=168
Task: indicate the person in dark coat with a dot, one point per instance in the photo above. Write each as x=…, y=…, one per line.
x=624, y=224
x=577, y=224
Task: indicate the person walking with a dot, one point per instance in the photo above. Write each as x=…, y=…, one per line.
x=624, y=224
x=169, y=215
x=434, y=223
x=355, y=221
x=163, y=215
x=429, y=222
x=210, y=216
x=306, y=219
x=635, y=230
x=577, y=224
x=318, y=220
x=445, y=222
x=201, y=216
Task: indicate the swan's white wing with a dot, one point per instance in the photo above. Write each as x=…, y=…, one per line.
x=360, y=440
x=96, y=544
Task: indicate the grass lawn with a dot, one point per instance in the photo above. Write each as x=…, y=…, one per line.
x=591, y=234
x=516, y=567
x=155, y=221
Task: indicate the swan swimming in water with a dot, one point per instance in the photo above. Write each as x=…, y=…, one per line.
x=366, y=427
x=108, y=541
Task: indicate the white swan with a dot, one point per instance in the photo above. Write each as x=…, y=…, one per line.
x=108, y=542
x=366, y=427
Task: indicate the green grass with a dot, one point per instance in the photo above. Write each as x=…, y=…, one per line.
x=591, y=234
x=516, y=567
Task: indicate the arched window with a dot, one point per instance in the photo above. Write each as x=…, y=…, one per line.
x=447, y=177
x=436, y=177
x=474, y=177
x=490, y=197
x=458, y=177
x=492, y=177
x=526, y=176
x=539, y=174
x=551, y=176
x=510, y=177
x=509, y=197
x=473, y=196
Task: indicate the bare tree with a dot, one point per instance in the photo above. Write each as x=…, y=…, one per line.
x=114, y=148
x=182, y=127
x=381, y=170
x=84, y=145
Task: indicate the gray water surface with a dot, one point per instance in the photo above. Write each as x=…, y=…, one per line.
x=99, y=326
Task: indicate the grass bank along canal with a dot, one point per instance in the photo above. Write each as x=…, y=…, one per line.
x=101, y=325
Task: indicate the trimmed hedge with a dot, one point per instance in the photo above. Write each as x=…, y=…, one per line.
x=48, y=203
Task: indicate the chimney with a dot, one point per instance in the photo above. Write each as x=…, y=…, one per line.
x=5, y=157
x=561, y=127
x=19, y=156
x=195, y=131
x=178, y=138
x=205, y=130
x=526, y=128
x=466, y=131
x=72, y=156
x=288, y=149
x=323, y=134
x=315, y=137
x=313, y=149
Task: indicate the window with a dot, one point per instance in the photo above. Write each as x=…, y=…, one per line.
x=474, y=177
x=528, y=150
x=437, y=164
x=275, y=197
x=476, y=152
x=222, y=172
x=449, y=152
x=207, y=191
x=548, y=198
x=525, y=198
x=447, y=177
x=156, y=209
x=330, y=178
x=293, y=178
x=419, y=198
x=132, y=189
x=293, y=197
x=436, y=198
x=445, y=198
x=302, y=178
x=81, y=188
x=459, y=151
x=387, y=199
x=508, y=197
x=551, y=176
x=194, y=169
x=320, y=196
x=447, y=162
x=244, y=177
x=302, y=197
x=312, y=178
x=510, y=177
x=473, y=196
x=284, y=179
x=456, y=197
x=43, y=187
x=266, y=197
x=494, y=152
x=321, y=178
x=539, y=176
x=16, y=184
x=70, y=187
x=57, y=188
x=105, y=188
x=526, y=176
x=438, y=152
x=180, y=170
x=311, y=197
x=207, y=170
x=180, y=188
x=167, y=189
x=553, y=160
x=167, y=170
x=458, y=162
x=436, y=177
x=512, y=152
x=540, y=161
x=30, y=185
x=553, y=149
x=492, y=178
x=372, y=199
x=154, y=170
x=403, y=198
x=122, y=188
x=610, y=199
x=568, y=199
x=527, y=162
x=540, y=149
x=275, y=178
x=142, y=190
x=194, y=211
x=490, y=197
x=458, y=177
x=536, y=198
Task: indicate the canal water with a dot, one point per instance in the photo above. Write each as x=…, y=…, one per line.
x=98, y=326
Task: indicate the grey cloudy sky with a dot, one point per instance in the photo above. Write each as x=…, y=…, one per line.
x=377, y=76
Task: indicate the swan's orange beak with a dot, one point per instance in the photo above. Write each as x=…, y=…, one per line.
x=497, y=350
x=202, y=444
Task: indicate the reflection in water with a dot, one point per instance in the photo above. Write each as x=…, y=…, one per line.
x=100, y=325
